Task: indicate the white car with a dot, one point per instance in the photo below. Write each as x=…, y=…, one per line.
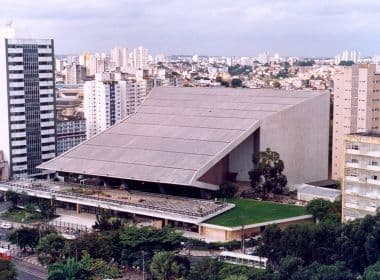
x=6, y=225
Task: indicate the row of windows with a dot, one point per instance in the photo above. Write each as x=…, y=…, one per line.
x=28, y=46
x=31, y=87
x=28, y=62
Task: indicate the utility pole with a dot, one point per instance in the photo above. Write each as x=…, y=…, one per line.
x=143, y=259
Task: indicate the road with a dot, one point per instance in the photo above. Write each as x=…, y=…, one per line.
x=25, y=271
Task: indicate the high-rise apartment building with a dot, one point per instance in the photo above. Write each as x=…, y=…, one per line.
x=120, y=57
x=102, y=103
x=27, y=104
x=361, y=181
x=110, y=98
x=75, y=74
x=140, y=58
x=356, y=107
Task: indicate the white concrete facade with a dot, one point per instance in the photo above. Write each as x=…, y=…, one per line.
x=192, y=136
x=361, y=177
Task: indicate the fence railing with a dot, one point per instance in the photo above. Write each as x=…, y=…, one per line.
x=119, y=203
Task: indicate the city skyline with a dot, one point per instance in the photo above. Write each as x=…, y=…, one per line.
x=291, y=28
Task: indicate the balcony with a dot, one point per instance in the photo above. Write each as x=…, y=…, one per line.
x=352, y=179
x=374, y=153
x=373, y=167
x=353, y=164
x=353, y=152
x=373, y=182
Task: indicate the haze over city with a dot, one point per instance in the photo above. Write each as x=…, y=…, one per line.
x=244, y=27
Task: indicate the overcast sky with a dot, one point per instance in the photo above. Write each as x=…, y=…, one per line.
x=213, y=27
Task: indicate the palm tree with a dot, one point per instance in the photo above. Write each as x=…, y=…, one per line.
x=167, y=266
x=64, y=271
x=162, y=265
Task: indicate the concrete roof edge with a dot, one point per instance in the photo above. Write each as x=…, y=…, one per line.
x=292, y=219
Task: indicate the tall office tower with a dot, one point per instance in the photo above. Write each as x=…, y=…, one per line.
x=356, y=107
x=140, y=58
x=102, y=105
x=27, y=104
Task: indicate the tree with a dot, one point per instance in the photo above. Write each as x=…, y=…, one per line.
x=206, y=269
x=13, y=197
x=227, y=190
x=236, y=277
x=346, y=63
x=322, y=209
x=288, y=266
x=266, y=175
x=104, y=221
x=7, y=270
x=225, y=83
x=148, y=240
x=270, y=246
x=166, y=266
x=317, y=271
x=276, y=84
x=25, y=238
x=236, y=83
x=50, y=248
x=97, y=268
x=71, y=270
x=47, y=208
x=372, y=272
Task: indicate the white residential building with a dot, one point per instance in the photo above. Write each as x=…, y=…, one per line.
x=361, y=177
x=27, y=103
x=140, y=58
x=120, y=57
x=110, y=98
x=102, y=103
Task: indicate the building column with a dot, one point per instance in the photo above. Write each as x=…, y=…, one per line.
x=78, y=208
x=200, y=230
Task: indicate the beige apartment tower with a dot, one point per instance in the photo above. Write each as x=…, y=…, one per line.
x=356, y=108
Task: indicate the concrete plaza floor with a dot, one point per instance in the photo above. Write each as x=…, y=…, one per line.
x=69, y=216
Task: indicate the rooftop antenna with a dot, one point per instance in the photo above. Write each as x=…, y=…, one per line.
x=8, y=31
x=9, y=24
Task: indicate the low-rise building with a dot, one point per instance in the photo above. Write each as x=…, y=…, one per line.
x=70, y=133
x=4, y=172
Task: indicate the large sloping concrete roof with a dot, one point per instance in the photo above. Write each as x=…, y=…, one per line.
x=177, y=134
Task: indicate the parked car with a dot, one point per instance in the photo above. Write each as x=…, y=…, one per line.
x=5, y=225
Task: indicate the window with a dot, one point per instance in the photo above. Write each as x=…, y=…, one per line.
x=354, y=160
x=373, y=163
x=374, y=177
x=355, y=147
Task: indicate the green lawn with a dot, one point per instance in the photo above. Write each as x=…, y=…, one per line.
x=248, y=212
x=22, y=216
